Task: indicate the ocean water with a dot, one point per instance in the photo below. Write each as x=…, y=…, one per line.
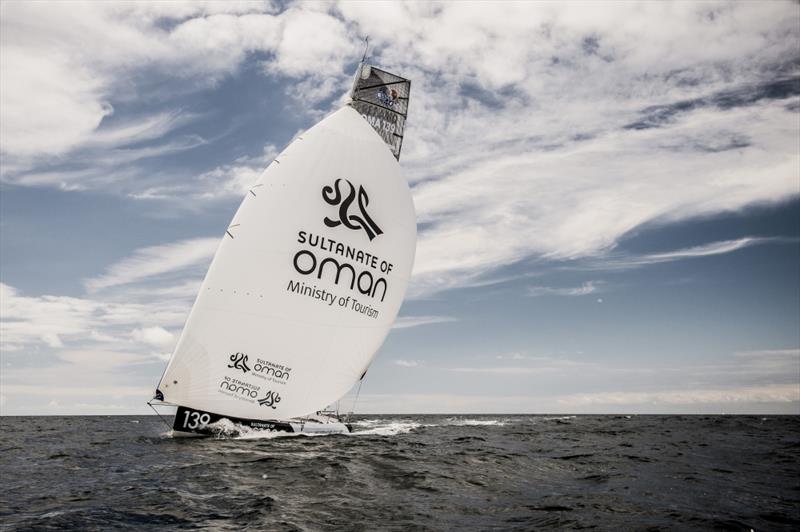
x=406, y=473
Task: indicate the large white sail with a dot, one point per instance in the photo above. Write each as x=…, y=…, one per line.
x=306, y=282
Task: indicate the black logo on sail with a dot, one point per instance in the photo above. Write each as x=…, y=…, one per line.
x=270, y=399
x=361, y=220
x=239, y=362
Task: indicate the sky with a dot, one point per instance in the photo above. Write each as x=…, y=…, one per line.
x=607, y=194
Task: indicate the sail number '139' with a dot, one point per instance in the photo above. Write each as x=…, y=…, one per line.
x=192, y=420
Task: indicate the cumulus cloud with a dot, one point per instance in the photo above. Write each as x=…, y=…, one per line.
x=155, y=336
x=236, y=179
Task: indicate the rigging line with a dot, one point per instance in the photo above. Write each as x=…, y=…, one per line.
x=366, y=48
x=385, y=85
x=382, y=107
x=159, y=415
x=360, y=382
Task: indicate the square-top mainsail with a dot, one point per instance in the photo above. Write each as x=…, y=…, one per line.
x=382, y=99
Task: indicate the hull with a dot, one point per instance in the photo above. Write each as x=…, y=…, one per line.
x=192, y=422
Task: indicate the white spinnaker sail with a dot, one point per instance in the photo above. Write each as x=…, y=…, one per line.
x=306, y=283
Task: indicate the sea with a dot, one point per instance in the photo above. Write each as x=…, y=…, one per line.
x=413, y=472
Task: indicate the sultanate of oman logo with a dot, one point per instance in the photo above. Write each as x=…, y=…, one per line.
x=239, y=362
x=359, y=220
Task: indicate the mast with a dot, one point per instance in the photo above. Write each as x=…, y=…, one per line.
x=358, y=69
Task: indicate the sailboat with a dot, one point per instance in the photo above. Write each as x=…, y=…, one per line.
x=308, y=278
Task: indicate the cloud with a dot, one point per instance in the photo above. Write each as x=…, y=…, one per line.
x=503, y=370
x=62, y=65
x=538, y=132
x=751, y=369
x=72, y=349
x=521, y=141
x=785, y=393
x=155, y=336
x=536, y=365
x=746, y=400
x=405, y=322
x=578, y=201
x=405, y=363
x=322, y=56
x=770, y=354
x=140, y=129
x=237, y=178
x=59, y=321
x=155, y=261
x=589, y=287
x=714, y=248
x=706, y=250
x=52, y=340
x=133, y=303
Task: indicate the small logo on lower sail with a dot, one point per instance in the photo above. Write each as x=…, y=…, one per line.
x=334, y=196
x=239, y=362
x=270, y=399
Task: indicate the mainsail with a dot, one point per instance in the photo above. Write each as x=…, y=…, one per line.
x=310, y=274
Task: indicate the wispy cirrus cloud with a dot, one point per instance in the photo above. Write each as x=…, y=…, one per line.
x=589, y=287
x=154, y=261
x=505, y=370
x=527, y=365
x=406, y=363
x=613, y=262
x=406, y=322
x=141, y=129
x=770, y=353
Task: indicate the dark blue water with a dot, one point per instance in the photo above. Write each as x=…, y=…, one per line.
x=407, y=473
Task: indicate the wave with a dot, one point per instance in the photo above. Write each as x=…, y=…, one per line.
x=459, y=422
x=390, y=428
